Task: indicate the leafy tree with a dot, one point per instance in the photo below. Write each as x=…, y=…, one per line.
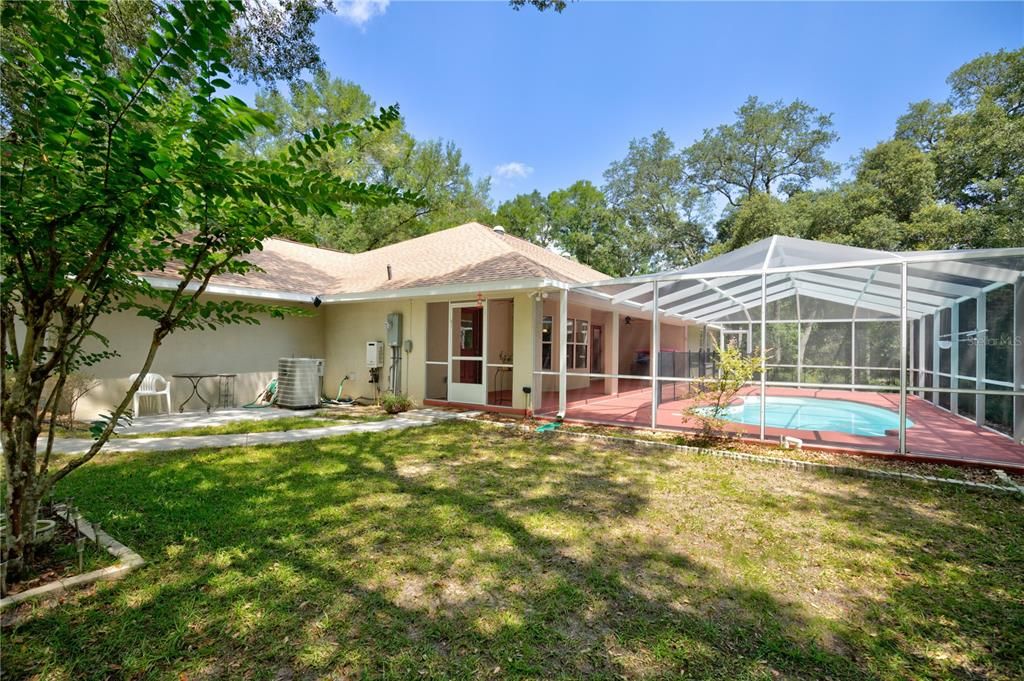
x=903, y=175
x=976, y=143
x=111, y=170
x=758, y=217
x=392, y=156
x=269, y=40
x=589, y=231
x=717, y=391
x=436, y=171
x=924, y=124
x=769, y=147
x=528, y=217
x=576, y=221
x=997, y=77
x=663, y=211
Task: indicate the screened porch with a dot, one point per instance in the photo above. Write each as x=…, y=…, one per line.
x=918, y=354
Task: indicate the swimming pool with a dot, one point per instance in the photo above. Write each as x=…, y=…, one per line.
x=810, y=413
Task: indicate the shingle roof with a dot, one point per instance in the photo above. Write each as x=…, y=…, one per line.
x=468, y=253
x=465, y=254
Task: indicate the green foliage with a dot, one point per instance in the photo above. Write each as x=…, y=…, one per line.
x=924, y=124
x=734, y=371
x=395, y=403
x=113, y=169
x=540, y=5
x=528, y=217
x=663, y=210
x=903, y=175
x=391, y=157
x=769, y=146
x=576, y=221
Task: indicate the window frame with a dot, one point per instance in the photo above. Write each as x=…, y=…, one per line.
x=577, y=329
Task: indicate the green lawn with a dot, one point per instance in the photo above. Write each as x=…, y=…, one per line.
x=467, y=551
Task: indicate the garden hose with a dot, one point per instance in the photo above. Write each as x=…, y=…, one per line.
x=269, y=396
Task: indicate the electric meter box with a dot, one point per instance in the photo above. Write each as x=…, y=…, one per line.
x=375, y=354
x=393, y=325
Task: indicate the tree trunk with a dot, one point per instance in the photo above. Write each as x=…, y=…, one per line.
x=23, y=489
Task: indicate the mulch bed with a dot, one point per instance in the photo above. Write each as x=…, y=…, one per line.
x=58, y=559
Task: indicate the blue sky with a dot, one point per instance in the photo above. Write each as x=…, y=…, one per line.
x=562, y=95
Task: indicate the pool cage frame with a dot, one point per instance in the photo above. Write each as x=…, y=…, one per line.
x=910, y=288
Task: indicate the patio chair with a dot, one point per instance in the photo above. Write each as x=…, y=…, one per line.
x=151, y=388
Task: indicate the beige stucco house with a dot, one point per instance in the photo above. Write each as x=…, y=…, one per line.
x=480, y=325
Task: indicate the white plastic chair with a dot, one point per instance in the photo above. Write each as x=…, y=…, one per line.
x=149, y=388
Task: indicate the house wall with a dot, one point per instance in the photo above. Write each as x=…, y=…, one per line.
x=347, y=329
x=348, y=326
x=249, y=351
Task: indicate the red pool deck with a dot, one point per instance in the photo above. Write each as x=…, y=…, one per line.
x=937, y=436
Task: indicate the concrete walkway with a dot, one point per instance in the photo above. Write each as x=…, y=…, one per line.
x=410, y=419
x=157, y=423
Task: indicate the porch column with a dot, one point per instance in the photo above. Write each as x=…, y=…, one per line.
x=980, y=339
x=853, y=351
x=903, y=358
x=1018, y=358
x=764, y=348
x=560, y=338
x=799, y=344
x=655, y=346
x=922, y=376
x=936, y=351
x=537, y=380
x=614, y=383
x=954, y=357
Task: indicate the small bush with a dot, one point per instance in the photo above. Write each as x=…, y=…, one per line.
x=395, y=404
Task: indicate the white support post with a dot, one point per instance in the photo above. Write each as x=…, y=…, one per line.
x=655, y=345
x=764, y=351
x=536, y=397
x=922, y=376
x=799, y=344
x=936, y=351
x=853, y=352
x=980, y=341
x=561, y=339
x=1018, y=358
x=910, y=354
x=954, y=357
x=615, y=353
x=903, y=358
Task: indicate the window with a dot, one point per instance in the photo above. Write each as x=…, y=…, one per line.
x=546, y=330
x=577, y=343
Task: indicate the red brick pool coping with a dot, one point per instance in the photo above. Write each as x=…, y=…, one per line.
x=937, y=435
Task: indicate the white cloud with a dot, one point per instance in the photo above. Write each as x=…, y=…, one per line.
x=359, y=12
x=512, y=170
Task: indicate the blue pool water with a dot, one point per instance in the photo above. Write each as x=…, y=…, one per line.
x=809, y=413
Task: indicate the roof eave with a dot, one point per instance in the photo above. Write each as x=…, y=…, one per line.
x=446, y=289
x=169, y=283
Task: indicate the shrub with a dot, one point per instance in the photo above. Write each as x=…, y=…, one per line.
x=394, y=403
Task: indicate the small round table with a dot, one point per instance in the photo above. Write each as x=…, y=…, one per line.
x=195, y=380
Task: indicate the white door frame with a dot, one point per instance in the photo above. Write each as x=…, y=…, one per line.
x=467, y=393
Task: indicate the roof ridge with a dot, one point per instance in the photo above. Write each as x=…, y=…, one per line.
x=308, y=245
